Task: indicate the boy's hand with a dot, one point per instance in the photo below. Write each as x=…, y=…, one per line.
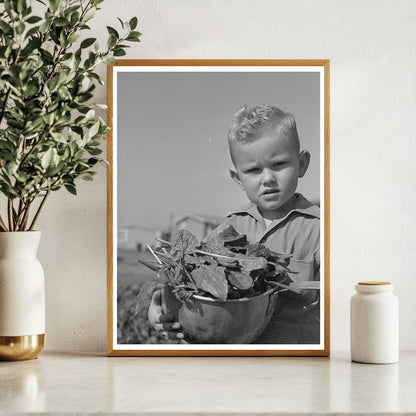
x=163, y=321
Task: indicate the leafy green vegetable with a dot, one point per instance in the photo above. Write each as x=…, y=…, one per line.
x=211, y=280
x=221, y=272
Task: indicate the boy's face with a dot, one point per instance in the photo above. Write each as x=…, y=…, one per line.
x=268, y=170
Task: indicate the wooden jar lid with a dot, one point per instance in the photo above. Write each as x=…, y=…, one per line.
x=374, y=283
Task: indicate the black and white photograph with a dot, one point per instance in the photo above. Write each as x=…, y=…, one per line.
x=218, y=219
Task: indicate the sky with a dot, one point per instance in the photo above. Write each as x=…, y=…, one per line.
x=171, y=138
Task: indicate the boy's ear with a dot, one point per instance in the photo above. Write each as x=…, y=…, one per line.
x=235, y=178
x=304, y=159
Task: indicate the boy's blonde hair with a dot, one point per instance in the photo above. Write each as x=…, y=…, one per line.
x=250, y=122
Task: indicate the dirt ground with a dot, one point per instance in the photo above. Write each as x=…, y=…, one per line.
x=131, y=275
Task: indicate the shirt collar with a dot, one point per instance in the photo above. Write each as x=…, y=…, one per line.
x=302, y=205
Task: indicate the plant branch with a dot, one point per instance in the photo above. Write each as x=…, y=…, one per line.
x=36, y=144
x=2, y=224
x=10, y=213
x=26, y=216
x=35, y=219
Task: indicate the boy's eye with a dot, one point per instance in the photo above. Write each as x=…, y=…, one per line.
x=277, y=165
x=253, y=170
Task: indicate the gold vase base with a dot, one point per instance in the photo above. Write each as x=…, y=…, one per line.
x=21, y=348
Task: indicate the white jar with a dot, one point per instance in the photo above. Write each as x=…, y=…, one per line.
x=374, y=323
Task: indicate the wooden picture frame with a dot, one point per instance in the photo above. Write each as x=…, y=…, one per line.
x=167, y=146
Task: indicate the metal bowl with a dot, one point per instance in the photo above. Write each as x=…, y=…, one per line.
x=211, y=321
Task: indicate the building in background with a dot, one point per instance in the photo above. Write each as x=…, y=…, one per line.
x=137, y=236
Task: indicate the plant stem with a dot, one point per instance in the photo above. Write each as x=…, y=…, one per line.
x=154, y=254
x=26, y=216
x=18, y=216
x=36, y=144
x=10, y=213
x=2, y=224
x=32, y=225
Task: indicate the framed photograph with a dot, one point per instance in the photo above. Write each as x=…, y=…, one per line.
x=218, y=208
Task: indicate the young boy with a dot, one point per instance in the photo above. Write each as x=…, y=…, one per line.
x=265, y=150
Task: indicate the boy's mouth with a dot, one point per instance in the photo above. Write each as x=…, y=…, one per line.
x=270, y=191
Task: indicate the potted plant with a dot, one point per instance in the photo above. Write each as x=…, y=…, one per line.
x=50, y=137
x=223, y=290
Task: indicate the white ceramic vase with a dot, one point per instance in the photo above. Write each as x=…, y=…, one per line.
x=22, y=296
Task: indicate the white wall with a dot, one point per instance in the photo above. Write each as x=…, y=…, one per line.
x=373, y=129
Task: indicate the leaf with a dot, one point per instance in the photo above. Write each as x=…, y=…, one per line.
x=87, y=42
x=183, y=243
x=94, y=129
x=54, y=4
x=11, y=168
x=231, y=238
x=21, y=176
x=33, y=19
x=112, y=31
x=70, y=188
x=133, y=23
x=58, y=137
x=240, y=280
x=86, y=176
x=73, y=38
x=61, y=21
x=119, y=52
x=47, y=158
x=249, y=264
x=211, y=280
x=20, y=28
x=110, y=60
x=112, y=41
x=94, y=151
x=5, y=27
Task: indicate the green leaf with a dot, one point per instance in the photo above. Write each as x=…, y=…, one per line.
x=73, y=38
x=21, y=176
x=58, y=137
x=54, y=4
x=119, y=51
x=11, y=168
x=87, y=42
x=112, y=41
x=31, y=32
x=35, y=125
x=110, y=61
x=74, y=18
x=70, y=188
x=47, y=158
x=61, y=21
x=133, y=23
x=86, y=176
x=33, y=19
x=94, y=129
x=134, y=37
x=20, y=28
x=21, y=6
x=94, y=151
x=7, y=30
x=112, y=31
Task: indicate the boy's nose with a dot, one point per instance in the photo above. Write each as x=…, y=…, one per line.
x=268, y=177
